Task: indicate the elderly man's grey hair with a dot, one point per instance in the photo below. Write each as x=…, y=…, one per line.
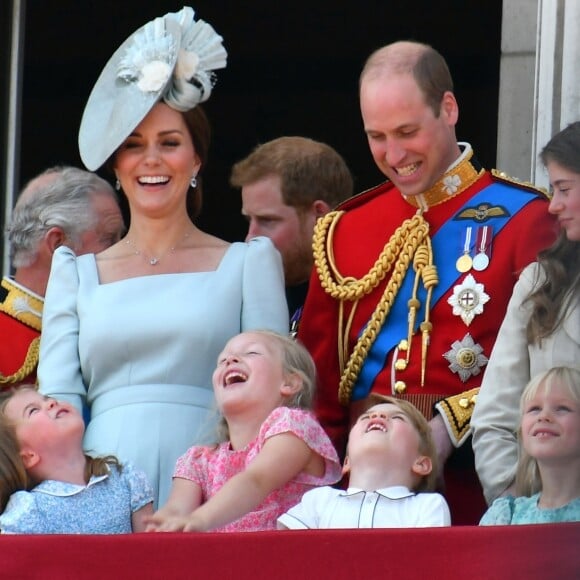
x=62, y=197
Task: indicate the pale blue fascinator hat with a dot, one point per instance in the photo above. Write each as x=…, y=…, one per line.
x=171, y=58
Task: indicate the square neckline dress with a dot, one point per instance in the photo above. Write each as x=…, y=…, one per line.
x=140, y=352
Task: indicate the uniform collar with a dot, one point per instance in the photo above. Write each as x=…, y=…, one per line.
x=21, y=303
x=460, y=175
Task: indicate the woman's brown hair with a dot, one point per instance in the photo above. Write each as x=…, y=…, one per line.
x=555, y=293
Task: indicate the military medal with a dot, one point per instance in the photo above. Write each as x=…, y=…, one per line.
x=481, y=260
x=464, y=262
x=468, y=299
x=466, y=358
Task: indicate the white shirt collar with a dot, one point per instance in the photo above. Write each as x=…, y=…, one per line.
x=64, y=488
x=393, y=492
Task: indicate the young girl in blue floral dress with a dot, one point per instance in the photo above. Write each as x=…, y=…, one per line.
x=548, y=475
x=273, y=449
x=48, y=485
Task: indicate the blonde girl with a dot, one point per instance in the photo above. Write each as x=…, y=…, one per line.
x=548, y=472
x=273, y=449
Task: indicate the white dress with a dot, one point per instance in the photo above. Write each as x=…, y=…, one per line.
x=138, y=354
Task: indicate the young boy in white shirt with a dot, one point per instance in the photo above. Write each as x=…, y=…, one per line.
x=392, y=466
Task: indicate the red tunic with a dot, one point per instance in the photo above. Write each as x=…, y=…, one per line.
x=362, y=232
x=20, y=321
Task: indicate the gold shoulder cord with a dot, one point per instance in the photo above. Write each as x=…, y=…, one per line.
x=502, y=176
x=30, y=363
x=409, y=241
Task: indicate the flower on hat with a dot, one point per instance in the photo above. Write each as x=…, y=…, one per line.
x=148, y=61
x=182, y=68
x=153, y=76
x=187, y=65
x=201, y=52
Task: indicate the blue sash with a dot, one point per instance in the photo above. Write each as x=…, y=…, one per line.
x=512, y=200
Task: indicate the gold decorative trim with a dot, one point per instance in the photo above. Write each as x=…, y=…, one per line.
x=22, y=304
x=455, y=181
x=456, y=411
x=409, y=243
x=27, y=368
x=501, y=176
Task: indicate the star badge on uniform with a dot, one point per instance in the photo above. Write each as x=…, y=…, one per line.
x=466, y=358
x=468, y=299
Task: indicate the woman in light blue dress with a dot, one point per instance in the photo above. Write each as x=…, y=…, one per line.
x=132, y=334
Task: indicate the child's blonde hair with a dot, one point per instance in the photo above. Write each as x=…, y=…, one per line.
x=13, y=474
x=296, y=360
x=426, y=443
x=528, y=480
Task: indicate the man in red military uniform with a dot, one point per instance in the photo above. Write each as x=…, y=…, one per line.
x=412, y=278
x=63, y=205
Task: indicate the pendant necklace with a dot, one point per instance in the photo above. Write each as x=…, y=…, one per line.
x=153, y=260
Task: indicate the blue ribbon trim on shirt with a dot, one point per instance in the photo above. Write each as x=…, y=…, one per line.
x=512, y=199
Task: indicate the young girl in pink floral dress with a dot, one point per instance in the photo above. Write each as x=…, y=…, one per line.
x=274, y=450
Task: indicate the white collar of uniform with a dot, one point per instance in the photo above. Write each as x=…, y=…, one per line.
x=393, y=492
